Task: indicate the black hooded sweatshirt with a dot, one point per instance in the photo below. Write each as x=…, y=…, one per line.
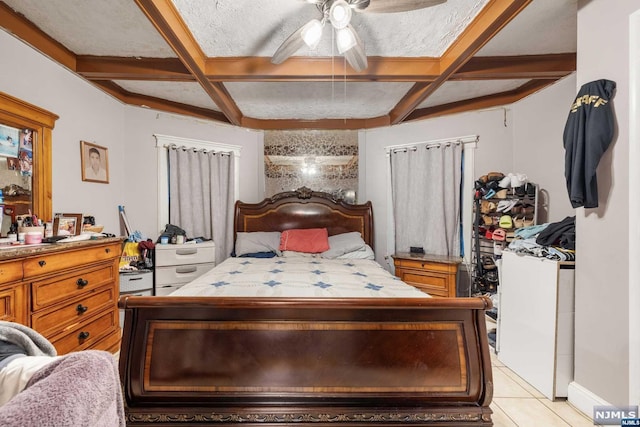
x=587, y=135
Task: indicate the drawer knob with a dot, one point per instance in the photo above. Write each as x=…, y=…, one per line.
x=42, y=263
x=81, y=308
x=107, y=250
x=83, y=335
x=82, y=283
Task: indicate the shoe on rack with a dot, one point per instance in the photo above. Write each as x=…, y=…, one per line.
x=501, y=194
x=506, y=221
x=506, y=181
x=518, y=180
x=530, y=190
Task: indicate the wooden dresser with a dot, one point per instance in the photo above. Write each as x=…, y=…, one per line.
x=433, y=274
x=67, y=292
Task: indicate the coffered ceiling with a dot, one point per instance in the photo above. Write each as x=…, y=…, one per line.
x=211, y=58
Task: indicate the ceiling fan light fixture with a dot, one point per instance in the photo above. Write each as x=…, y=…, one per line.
x=311, y=33
x=345, y=39
x=340, y=14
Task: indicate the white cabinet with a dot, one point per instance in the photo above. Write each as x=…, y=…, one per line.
x=536, y=321
x=176, y=265
x=138, y=283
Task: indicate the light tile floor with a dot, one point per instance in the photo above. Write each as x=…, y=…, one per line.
x=516, y=403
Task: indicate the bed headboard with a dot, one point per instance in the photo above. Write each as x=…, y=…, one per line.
x=304, y=208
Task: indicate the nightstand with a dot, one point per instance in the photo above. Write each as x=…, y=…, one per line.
x=434, y=274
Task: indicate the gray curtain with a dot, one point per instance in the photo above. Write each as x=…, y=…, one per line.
x=201, y=196
x=425, y=186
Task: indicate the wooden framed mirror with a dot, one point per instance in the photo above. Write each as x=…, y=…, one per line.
x=15, y=113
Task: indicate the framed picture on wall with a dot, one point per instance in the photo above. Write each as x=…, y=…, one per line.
x=95, y=162
x=67, y=224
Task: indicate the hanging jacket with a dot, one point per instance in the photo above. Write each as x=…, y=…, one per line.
x=587, y=135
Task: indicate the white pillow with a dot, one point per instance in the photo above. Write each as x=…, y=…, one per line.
x=364, y=253
x=258, y=241
x=341, y=244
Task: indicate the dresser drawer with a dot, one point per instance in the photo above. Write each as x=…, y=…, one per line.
x=76, y=311
x=110, y=343
x=10, y=271
x=65, y=287
x=52, y=263
x=86, y=334
x=138, y=281
x=12, y=304
x=181, y=273
x=185, y=254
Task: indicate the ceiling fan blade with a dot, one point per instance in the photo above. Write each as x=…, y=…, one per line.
x=288, y=47
x=359, y=5
x=392, y=6
x=356, y=56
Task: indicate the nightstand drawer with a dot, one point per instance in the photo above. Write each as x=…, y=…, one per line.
x=433, y=283
x=425, y=265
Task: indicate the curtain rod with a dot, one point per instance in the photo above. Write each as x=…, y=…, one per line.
x=195, y=150
x=469, y=139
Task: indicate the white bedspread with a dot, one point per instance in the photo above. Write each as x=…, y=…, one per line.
x=299, y=277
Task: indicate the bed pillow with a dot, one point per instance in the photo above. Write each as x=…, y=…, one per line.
x=364, y=253
x=256, y=242
x=309, y=240
x=341, y=244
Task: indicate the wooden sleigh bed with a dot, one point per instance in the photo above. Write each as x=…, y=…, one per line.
x=305, y=361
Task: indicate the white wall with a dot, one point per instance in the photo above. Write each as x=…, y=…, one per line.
x=85, y=114
x=602, y=268
x=538, y=149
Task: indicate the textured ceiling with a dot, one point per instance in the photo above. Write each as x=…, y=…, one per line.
x=210, y=58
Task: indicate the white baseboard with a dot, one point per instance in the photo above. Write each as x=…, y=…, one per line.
x=583, y=400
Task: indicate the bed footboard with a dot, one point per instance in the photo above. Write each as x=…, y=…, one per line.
x=189, y=360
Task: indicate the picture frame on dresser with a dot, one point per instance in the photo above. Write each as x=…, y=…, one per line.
x=67, y=224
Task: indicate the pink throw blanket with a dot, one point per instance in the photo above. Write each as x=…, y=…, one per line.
x=78, y=389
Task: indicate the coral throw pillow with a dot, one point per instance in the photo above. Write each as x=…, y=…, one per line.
x=309, y=240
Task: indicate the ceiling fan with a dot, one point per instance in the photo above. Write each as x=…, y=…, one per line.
x=338, y=13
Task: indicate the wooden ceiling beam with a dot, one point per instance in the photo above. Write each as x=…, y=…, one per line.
x=145, y=101
x=324, y=124
x=167, y=20
x=491, y=19
x=318, y=69
x=482, y=102
x=256, y=69
x=146, y=69
x=26, y=31
x=552, y=66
